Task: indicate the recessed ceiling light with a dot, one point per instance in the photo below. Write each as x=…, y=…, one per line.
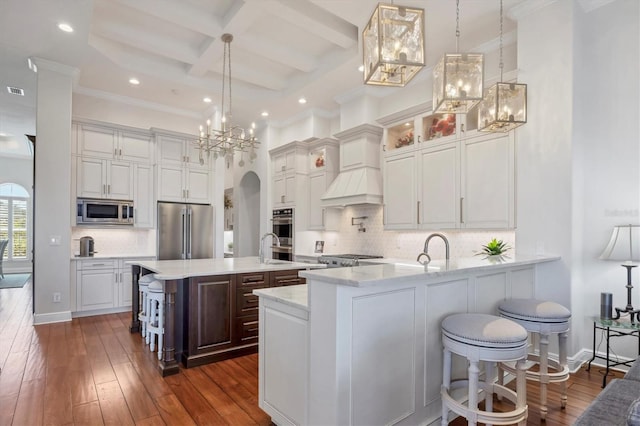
x=65, y=27
x=134, y=81
x=361, y=68
x=265, y=113
x=206, y=99
x=407, y=124
x=302, y=101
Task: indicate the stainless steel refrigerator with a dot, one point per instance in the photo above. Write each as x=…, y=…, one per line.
x=185, y=231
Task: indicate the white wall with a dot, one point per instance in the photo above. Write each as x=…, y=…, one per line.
x=606, y=155
x=52, y=193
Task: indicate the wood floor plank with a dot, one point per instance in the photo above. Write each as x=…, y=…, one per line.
x=140, y=403
x=173, y=412
x=12, y=374
x=7, y=408
x=151, y=421
x=217, y=398
x=148, y=373
x=30, y=405
x=196, y=405
x=237, y=392
x=115, y=410
x=88, y=414
x=58, y=406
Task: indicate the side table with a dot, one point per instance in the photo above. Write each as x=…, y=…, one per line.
x=613, y=328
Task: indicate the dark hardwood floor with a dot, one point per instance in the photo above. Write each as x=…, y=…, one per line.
x=92, y=371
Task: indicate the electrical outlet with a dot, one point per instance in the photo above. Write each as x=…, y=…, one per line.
x=57, y=297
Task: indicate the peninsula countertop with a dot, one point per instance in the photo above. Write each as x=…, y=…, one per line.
x=397, y=269
x=180, y=269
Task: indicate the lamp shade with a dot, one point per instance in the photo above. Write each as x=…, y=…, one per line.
x=458, y=82
x=624, y=244
x=393, y=45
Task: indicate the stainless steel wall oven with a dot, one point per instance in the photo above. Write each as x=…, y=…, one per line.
x=284, y=229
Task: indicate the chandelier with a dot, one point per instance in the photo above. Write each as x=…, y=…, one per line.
x=458, y=78
x=393, y=45
x=504, y=106
x=227, y=140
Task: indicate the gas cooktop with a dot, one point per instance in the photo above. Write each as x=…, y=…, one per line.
x=340, y=260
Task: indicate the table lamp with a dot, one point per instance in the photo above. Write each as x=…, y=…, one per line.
x=624, y=246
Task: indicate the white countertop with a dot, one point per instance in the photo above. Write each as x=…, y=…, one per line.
x=179, y=269
x=391, y=270
x=292, y=295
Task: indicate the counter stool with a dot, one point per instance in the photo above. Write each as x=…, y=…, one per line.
x=541, y=317
x=488, y=338
x=155, y=308
x=143, y=290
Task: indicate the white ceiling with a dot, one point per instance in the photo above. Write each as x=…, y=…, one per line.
x=282, y=50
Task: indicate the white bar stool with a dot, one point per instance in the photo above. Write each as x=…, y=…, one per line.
x=143, y=290
x=155, y=308
x=488, y=338
x=544, y=318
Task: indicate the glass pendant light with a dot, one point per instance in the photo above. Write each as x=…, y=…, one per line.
x=393, y=45
x=458, y=78
x=505, y=104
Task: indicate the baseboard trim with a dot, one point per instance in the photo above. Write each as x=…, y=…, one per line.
x=78, y=314
x=51, y=318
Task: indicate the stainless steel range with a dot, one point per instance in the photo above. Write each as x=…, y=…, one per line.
x=345, y=260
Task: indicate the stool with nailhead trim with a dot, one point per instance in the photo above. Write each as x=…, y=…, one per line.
x=544, y=318
x=491, y=339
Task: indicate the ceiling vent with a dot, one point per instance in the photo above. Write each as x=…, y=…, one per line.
x=15, y=91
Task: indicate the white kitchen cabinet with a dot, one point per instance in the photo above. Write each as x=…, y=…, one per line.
x=323, y=164
x=104, y=284
x=96, y=284
x=289, y=179
x=98, y=178
x=181, y=175
x=114, y=143
x=488, y=183
x=401, y=206
x=446, y=179
x=143, y=196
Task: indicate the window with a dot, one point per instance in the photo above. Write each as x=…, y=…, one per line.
x=14, y=222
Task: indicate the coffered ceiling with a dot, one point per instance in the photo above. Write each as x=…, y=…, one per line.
x=282, y=50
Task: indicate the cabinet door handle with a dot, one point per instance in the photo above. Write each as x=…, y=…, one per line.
x=418, y=212
x=461, y=207
x=462, y=127
x=115, y=277
x=323, y=211
x=115, y=152
x=104, y=189
x=120, y=151
x=283, y=168
x=109, y=189
x=187, y=193
x=282, y=198
x=188, y=158
x=384, y=208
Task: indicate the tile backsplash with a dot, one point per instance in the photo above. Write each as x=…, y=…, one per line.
x=403, y=244
x=116, y=241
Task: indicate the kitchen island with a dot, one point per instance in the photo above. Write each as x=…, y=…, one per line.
x=210, y=311
x=362, y=345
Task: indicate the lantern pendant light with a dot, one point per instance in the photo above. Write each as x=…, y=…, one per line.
x=505, y=104
x=393, y=45
x=458, y=78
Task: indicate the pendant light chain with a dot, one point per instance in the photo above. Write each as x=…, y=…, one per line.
x=457, y=26
x=501, y=65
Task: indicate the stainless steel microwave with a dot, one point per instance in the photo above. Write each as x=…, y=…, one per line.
x=104, y=212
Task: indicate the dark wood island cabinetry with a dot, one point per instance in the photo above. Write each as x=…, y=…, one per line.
x=215, y=317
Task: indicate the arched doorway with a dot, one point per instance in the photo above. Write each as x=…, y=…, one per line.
x=247, y=227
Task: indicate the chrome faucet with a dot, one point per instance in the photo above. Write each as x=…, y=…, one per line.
x=425, y=251
x=261, y=253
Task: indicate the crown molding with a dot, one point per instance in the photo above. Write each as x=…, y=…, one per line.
x=313, y=112
x=526, y=8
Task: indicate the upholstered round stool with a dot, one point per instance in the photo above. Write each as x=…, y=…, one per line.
x=143, y=290
x=155, y=308
x=544, y=318
x=488, y=338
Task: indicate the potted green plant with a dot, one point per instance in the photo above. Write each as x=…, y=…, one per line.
x=494, y=247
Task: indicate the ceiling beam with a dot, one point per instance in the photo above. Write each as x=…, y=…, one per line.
x=314, y=19
x=277, y=53
x=184, y=15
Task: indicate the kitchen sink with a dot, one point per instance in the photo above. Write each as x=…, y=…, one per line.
x=277, y=262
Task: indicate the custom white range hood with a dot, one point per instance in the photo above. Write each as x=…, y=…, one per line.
x=360, y=177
